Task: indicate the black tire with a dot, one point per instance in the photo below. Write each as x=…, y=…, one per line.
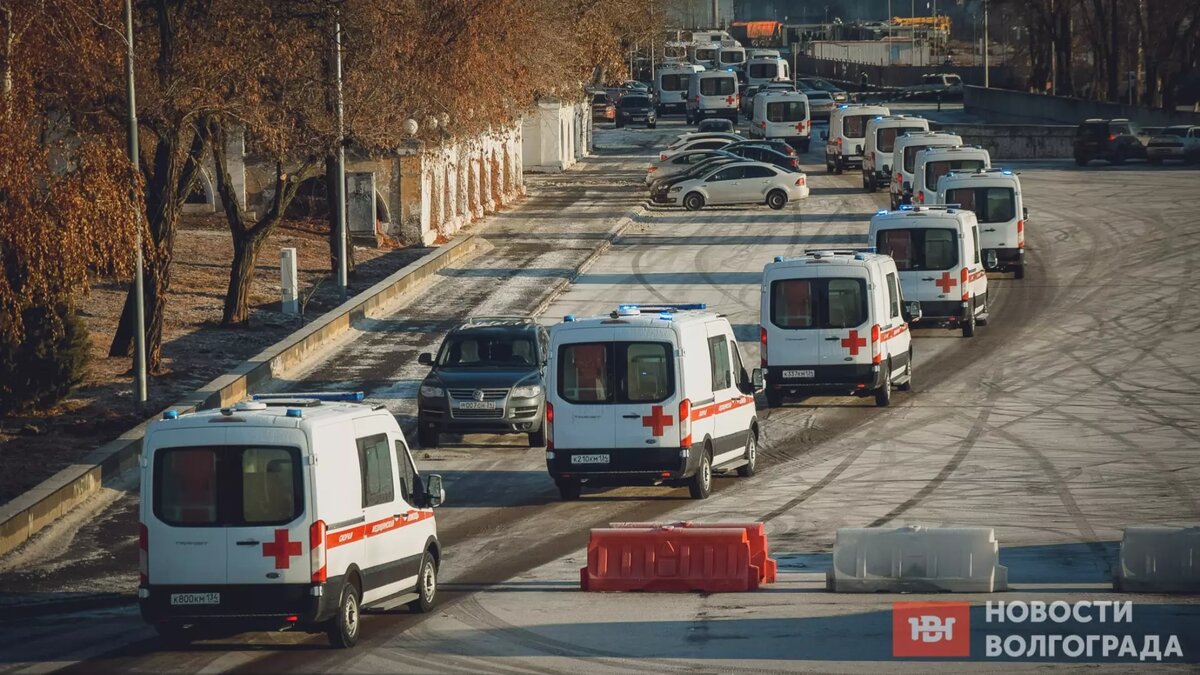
x=892, y=201
x=619, y=124
x=751, y=457
x=174, y=634
x=869, y=183
x=908, y=383
x=1081, y=161
x=774, y=398
x=968, y=322
x=1019, y=271
x=426, y=586
x=828, y=166
x=427, y=436
x=569, y=490
x=537, y=439
x=805, y=145
x=700, y=484
x=883, y=395
x=837, y=166
x=1157, y=161
x=694, y=201
x=652, y=126
x=777, y=199
x=344, y=627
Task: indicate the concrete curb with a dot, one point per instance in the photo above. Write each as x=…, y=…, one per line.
x=26, y=515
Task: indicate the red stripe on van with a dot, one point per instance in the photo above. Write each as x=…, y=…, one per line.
x=352, y=534
x=712, y=409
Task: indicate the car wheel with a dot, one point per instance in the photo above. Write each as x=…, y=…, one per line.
x=700, y=485
x=343, y=627
x=426, y=586
x=569, y=490
x=908, y=382
x=1118, y=157
x=746, y=470
x=537, y=439
x=1081, y=161
x=883, y=395
x=694, y=201
x=777, y=199
x=427, y=436
x=1156, y=161
x=652, y=125
x=620, y=124
x=968, y=322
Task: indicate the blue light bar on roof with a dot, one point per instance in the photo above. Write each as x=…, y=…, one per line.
x=170, y=414
x=881, y=212
x=351, y=396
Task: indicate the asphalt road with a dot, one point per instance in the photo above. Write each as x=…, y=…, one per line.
x=1071, y=415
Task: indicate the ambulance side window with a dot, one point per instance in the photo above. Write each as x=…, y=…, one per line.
x=408, y=473
x=893, y=294
x=739, y=371
x=718, y=361
x=975, y=242
x=375, y=464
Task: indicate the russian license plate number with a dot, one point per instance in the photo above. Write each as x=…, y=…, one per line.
x=796, y=374
x=195, y=598
x=589, y=459
x=477, y=405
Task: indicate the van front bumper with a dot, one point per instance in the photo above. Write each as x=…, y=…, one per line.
x=246, y=605
x=625, y=466
x=839, y=379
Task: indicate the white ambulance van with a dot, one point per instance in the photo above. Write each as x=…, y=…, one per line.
x=649, y=395
x=882, y=133
x=298, y=511
x=762, y=70
x=704, y=53
x=671, y=86
x=904, y=157
x=712, y=93
x=933, y=163
x=995, y=197
x=782, y=115
x=936, y=249
x=847, y=134
x=730, y=54
x=835, y=322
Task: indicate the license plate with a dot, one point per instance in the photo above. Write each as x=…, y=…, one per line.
x=477, y=405
x=195, y=598
x=794, y=374
x=589, y=459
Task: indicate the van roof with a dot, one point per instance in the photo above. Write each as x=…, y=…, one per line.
x=954, y=148
x=641, y=315
x=843, y=257
x=294, y=411
x=929, y=211
x=972, y=174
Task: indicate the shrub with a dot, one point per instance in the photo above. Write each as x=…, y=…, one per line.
x=43, y=368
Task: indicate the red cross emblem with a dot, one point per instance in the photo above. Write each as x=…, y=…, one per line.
x=281, y=549
x=657, y=421
x=729, y=100
x=946, y=282
x=853, y=342
x=799, y=126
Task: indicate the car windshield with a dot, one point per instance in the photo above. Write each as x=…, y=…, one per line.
x=635, y=102
x=818, y=303
x=919, y=248
x=1092, y=129
x=599, y=98
x=616, y=372
x=718, y=86
x=935, y=170
x=885, y=139
x=990, y=204
x=786, y=111
x=475, y=349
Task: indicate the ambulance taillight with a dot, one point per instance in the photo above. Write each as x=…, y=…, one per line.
x=1020, y=234
x=762, y=346
x=876, y=357
x=962, y=277
x=549, y=425
x=921, y=197
x=143, y=554
x=316, y=552
x=685, y=423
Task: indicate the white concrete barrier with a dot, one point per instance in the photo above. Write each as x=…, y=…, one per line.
x=1159, y=560
x=916, y=559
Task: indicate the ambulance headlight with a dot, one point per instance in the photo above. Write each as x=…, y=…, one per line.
x=432, y=392
x=527, y=391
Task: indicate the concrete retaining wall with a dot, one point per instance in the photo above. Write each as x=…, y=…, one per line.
x=1015, y=141
x=1004, y=105
x=24, y=516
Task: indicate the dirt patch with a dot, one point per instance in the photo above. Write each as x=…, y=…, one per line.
x=196, y=348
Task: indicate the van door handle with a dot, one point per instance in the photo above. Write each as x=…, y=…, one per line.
x=928, y=278
x=990, y=229
x=631, y=416
x=832, y=339
x=248, y=542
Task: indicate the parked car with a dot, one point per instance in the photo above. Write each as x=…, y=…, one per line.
x=1114, y=140
x=746, y=104
x=660, y=187
x=946, y=86
x=838, y=94
x=741, y=183
x=820, y=104
x=702, y=143
x=636, y=109
x=760, y=153
x=681, y=162
x=688, y=137
x=774, y=143
x=1177, y=142
x=716, y=124
x=603, y=109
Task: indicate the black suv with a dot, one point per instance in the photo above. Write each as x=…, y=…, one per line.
x=1113, y=140
x=488, y=377
x=636, y=108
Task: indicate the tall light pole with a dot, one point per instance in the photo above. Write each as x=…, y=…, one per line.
x=340, y=191
x=139, y=290
x=987, y=80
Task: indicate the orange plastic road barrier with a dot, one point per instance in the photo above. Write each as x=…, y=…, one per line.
x=756, y=533
x=669, y=559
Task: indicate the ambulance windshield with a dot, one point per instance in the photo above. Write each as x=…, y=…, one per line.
x=885, y=139
x=620, y=372
x=990, y=204
x=935, y=170
x=227, y=485
x=819, y=303
x=920, y=248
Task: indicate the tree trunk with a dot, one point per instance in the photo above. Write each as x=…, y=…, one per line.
x=241, y=276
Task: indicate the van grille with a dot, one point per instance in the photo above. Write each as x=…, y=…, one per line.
x=488, y=394
x=494, y=414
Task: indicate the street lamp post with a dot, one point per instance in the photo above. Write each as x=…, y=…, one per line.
x=139, y=291
x=987, y=80
x=340, y=191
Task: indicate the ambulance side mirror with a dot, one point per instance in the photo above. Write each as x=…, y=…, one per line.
x=425, y=359
x=435, y=494
x=824, y=135
x=1024, y=213
x=887, y=169
x=912, y=312
x=756, y=380
x=858, y=149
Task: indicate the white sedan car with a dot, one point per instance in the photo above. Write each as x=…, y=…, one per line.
x=684, y=139
x=741, y=183
x=704, y=143
x=679, y=163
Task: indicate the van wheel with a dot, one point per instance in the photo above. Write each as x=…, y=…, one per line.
x=883, y=395
x=774, y=398
x=907, y=384
x=868, y=182
x=700, y=485
x=968, y=322
x=427, y=436
x=1019, y=271
x=837, y=166
x=693, y=202
x=343, y=627
x=569, y=490
x=777, y=199
x=426, y=586
x=174, y=634
x=747, y=469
